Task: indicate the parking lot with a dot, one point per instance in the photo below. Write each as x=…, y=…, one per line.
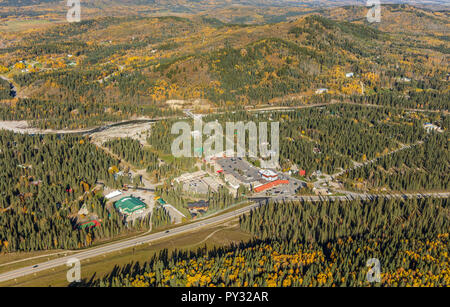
x=199, y=182
x=195, y=186
x=240, y=169
x=246, y=173
x=284, y=189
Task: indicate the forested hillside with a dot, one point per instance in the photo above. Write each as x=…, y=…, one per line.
x=45, y=182
x=133, y=152
x=425, y=167
x=80, y=74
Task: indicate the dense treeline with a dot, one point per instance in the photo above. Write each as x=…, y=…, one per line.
x=356, y=132
x=133, y=152
x=241, y=72
x=160, y=217
x=321, y=244
x=160, y=139
x=431, y=100
x=74, y=85
x=173, y=195
x=48, y=114
x=328, y=221
x=222, y=199
x=78, y=98
x=132, y=84
x=45, y=180
x=358, y=39
x=161, y=136
x=5, y=89
x=423, y=167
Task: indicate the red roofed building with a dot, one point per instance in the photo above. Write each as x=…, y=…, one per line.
x=270, y=185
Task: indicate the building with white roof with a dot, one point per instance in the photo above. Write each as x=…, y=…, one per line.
x=268, y=175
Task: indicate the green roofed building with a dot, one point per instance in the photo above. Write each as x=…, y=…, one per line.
x=129, y=205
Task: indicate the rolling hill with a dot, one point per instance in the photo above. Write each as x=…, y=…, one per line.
x=132, y=65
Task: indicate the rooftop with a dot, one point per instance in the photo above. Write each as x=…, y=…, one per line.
x=128, y=205
x=268, y=173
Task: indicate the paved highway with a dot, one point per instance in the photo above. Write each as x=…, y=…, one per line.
x=101, y=250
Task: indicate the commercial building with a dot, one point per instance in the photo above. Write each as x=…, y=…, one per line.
x=256, y=184
x=232, y=181
x=190, y=176
x=160, y=200
x=268, y=175
x=212, y=183
x=130, y=205
x=199, y=205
